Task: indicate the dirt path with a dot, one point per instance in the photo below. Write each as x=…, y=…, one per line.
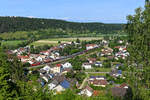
x=82, y=85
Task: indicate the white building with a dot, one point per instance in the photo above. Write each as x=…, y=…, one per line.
x=46, y=68
x=88, y=91
x=91, y=46
x=67, y=65
x=87, y=66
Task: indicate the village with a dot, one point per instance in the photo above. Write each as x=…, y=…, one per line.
x=90, y=69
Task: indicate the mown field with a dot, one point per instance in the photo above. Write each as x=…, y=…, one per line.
x=55, y=41
x=11, y=43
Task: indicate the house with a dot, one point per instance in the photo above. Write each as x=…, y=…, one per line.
x=124, y=85
x=55, y=55
x=14, y=51
x=58, y=88
x=47, y=60
x=56, y=48
x=46, y=77
x=59, y=78
x=33, y=56
x=39, y=59
x=62, y=86
x=46, y=68
x=67, y=65
x=118, y=92
x=42, y=72
x=101, y=83
x=98, y=64
x=88, y=91
x=53, y=84
x=104, y=42
x=96, y=93
x=91, y=46
x=63, y=45
x=31, y=62
x=116, y=73
x=57, y=69
x=121, y=90
x=87, y=65
x=97, y=78
x=23, y=58
x=92, y=60
x=45, y=52
x=120, y=41
x=106, y=52
x=65, y=84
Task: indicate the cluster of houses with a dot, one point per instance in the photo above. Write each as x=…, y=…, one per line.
x=118, y=90
x=106, y=52
x=122, y=52
x=55, y=77
x=91, y=62
x=111, y=54
x=46, y=56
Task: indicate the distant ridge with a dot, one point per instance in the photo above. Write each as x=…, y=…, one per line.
x=13, y=24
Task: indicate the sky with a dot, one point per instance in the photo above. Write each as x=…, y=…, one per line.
x=106, y=11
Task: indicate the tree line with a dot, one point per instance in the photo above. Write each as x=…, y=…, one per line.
x=13, y=24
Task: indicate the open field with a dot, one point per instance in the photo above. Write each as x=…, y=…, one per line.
x=12, y=43
x=97, y=74
x=54, y=41
x=99, y=70
x=74, y=39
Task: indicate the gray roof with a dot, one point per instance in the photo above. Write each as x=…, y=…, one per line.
x=119, y=92
x=54, y=82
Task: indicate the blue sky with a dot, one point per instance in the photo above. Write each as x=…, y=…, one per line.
x=107, y=11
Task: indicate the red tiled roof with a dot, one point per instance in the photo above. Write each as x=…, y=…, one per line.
x=44, y=52
x=92, y=59
x=123, y=85
x=117, y=47
x=124, y=48
x=58, y=65
x=89, y=88
x=54, y=48
x=96, y=93
x=88, y=45
x=47, y=60
x=23, y=57
x=99, y=82
x=22, y=49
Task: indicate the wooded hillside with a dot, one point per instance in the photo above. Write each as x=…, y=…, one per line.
x=13, y=24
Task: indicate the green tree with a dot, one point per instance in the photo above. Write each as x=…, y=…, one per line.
x=78, y=41
x=138, y=28
x=8, y=89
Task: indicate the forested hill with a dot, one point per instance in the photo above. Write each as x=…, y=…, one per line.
x=13, y=24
